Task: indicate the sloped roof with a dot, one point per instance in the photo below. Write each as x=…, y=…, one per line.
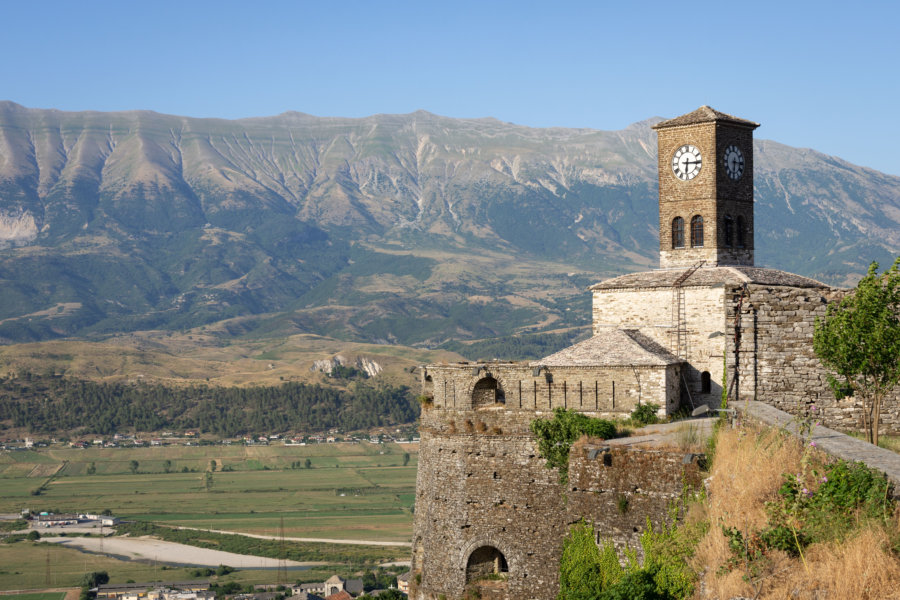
x=707, y=276
x=704, y=114
x=341, y=595
x=611, y=348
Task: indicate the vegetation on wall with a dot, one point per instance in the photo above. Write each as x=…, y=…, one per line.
x=592, y=571
x=859, y=340
x=555, y=436
x=780, y=517
x=50, y=405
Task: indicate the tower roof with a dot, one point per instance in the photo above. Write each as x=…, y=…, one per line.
x=705, y=114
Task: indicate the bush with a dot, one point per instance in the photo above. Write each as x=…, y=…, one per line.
x=645, y=414
x=556, y=436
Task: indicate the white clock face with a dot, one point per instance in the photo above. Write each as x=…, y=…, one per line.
x=734, y=162
x=686, y=162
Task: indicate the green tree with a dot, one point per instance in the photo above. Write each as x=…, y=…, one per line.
x=208, y=480
x=33, y=536
x=859, y=341
x=212, y=465
x=405, y=458
x=307, y=463
x=92, y=469
x=133, y=465
x=167, y=466
x=92, y=580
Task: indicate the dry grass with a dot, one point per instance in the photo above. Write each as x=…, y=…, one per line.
x=747, y=472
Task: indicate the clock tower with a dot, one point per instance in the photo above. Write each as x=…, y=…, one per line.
x=705, y=190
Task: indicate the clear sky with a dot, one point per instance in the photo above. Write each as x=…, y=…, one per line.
x=824, y=75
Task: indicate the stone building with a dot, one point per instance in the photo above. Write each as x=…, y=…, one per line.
x=707, y=321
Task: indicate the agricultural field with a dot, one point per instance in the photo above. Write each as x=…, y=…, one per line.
x=348, y=491
x=27, y=566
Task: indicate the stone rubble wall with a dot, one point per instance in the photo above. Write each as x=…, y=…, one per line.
x=619, y=488
x=775, y=357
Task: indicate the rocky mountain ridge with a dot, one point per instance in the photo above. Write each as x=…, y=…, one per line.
x=391, y=228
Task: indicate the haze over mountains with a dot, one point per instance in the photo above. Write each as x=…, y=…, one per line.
x=412, y=229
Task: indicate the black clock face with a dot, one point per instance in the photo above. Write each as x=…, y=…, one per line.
x=734, y=162
x=686, y=162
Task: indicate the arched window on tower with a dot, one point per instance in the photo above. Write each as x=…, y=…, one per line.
x=728, y=227
x=697, y=232
x=678, y=232
x=740, y=231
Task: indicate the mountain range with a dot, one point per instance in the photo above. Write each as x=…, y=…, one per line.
x=409, y=229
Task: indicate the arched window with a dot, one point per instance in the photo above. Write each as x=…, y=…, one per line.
x=740, y=231
x=487, y=392
x=485, y=561
x=729, y=231
x=678, y=232
x=705, y=383
x=697, y=232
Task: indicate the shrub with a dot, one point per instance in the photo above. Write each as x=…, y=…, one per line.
x=645, y=414
x=556, y=436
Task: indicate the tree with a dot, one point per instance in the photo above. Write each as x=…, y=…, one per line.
x=405, y=458
x=95, y=578
x=133, y=465
x=33, y=536
x=167, y=466
x=859, y=341
x=307, y=463
x=212, y=465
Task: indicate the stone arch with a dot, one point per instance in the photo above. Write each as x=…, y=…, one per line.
x=487, y=392
x=484, y=558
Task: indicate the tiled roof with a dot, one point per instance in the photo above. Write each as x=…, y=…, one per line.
x=341, y=595
x=704, y=114
x=612, y=348
x=709, y=276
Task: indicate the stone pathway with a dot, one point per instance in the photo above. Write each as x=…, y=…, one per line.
x=833, y=442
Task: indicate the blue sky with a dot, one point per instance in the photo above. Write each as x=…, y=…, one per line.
x=824, y=75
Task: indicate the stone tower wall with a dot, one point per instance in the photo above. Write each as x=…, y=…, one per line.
x=711, y=194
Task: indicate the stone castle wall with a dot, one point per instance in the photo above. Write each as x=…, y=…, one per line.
x=486, y=489
x=775, y=357
x=606, y=391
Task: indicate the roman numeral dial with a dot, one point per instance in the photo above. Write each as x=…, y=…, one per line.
x=734, y=162
x=686, y=162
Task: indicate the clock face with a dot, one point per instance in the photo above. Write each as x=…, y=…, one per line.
x=734, y=162
x=686, y=162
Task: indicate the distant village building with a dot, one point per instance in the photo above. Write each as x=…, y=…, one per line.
x=173, y=590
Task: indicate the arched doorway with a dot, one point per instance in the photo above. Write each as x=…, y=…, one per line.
x=487, y=392
x=485, y=562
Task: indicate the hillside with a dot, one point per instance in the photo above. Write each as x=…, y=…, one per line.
x=392, y=229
